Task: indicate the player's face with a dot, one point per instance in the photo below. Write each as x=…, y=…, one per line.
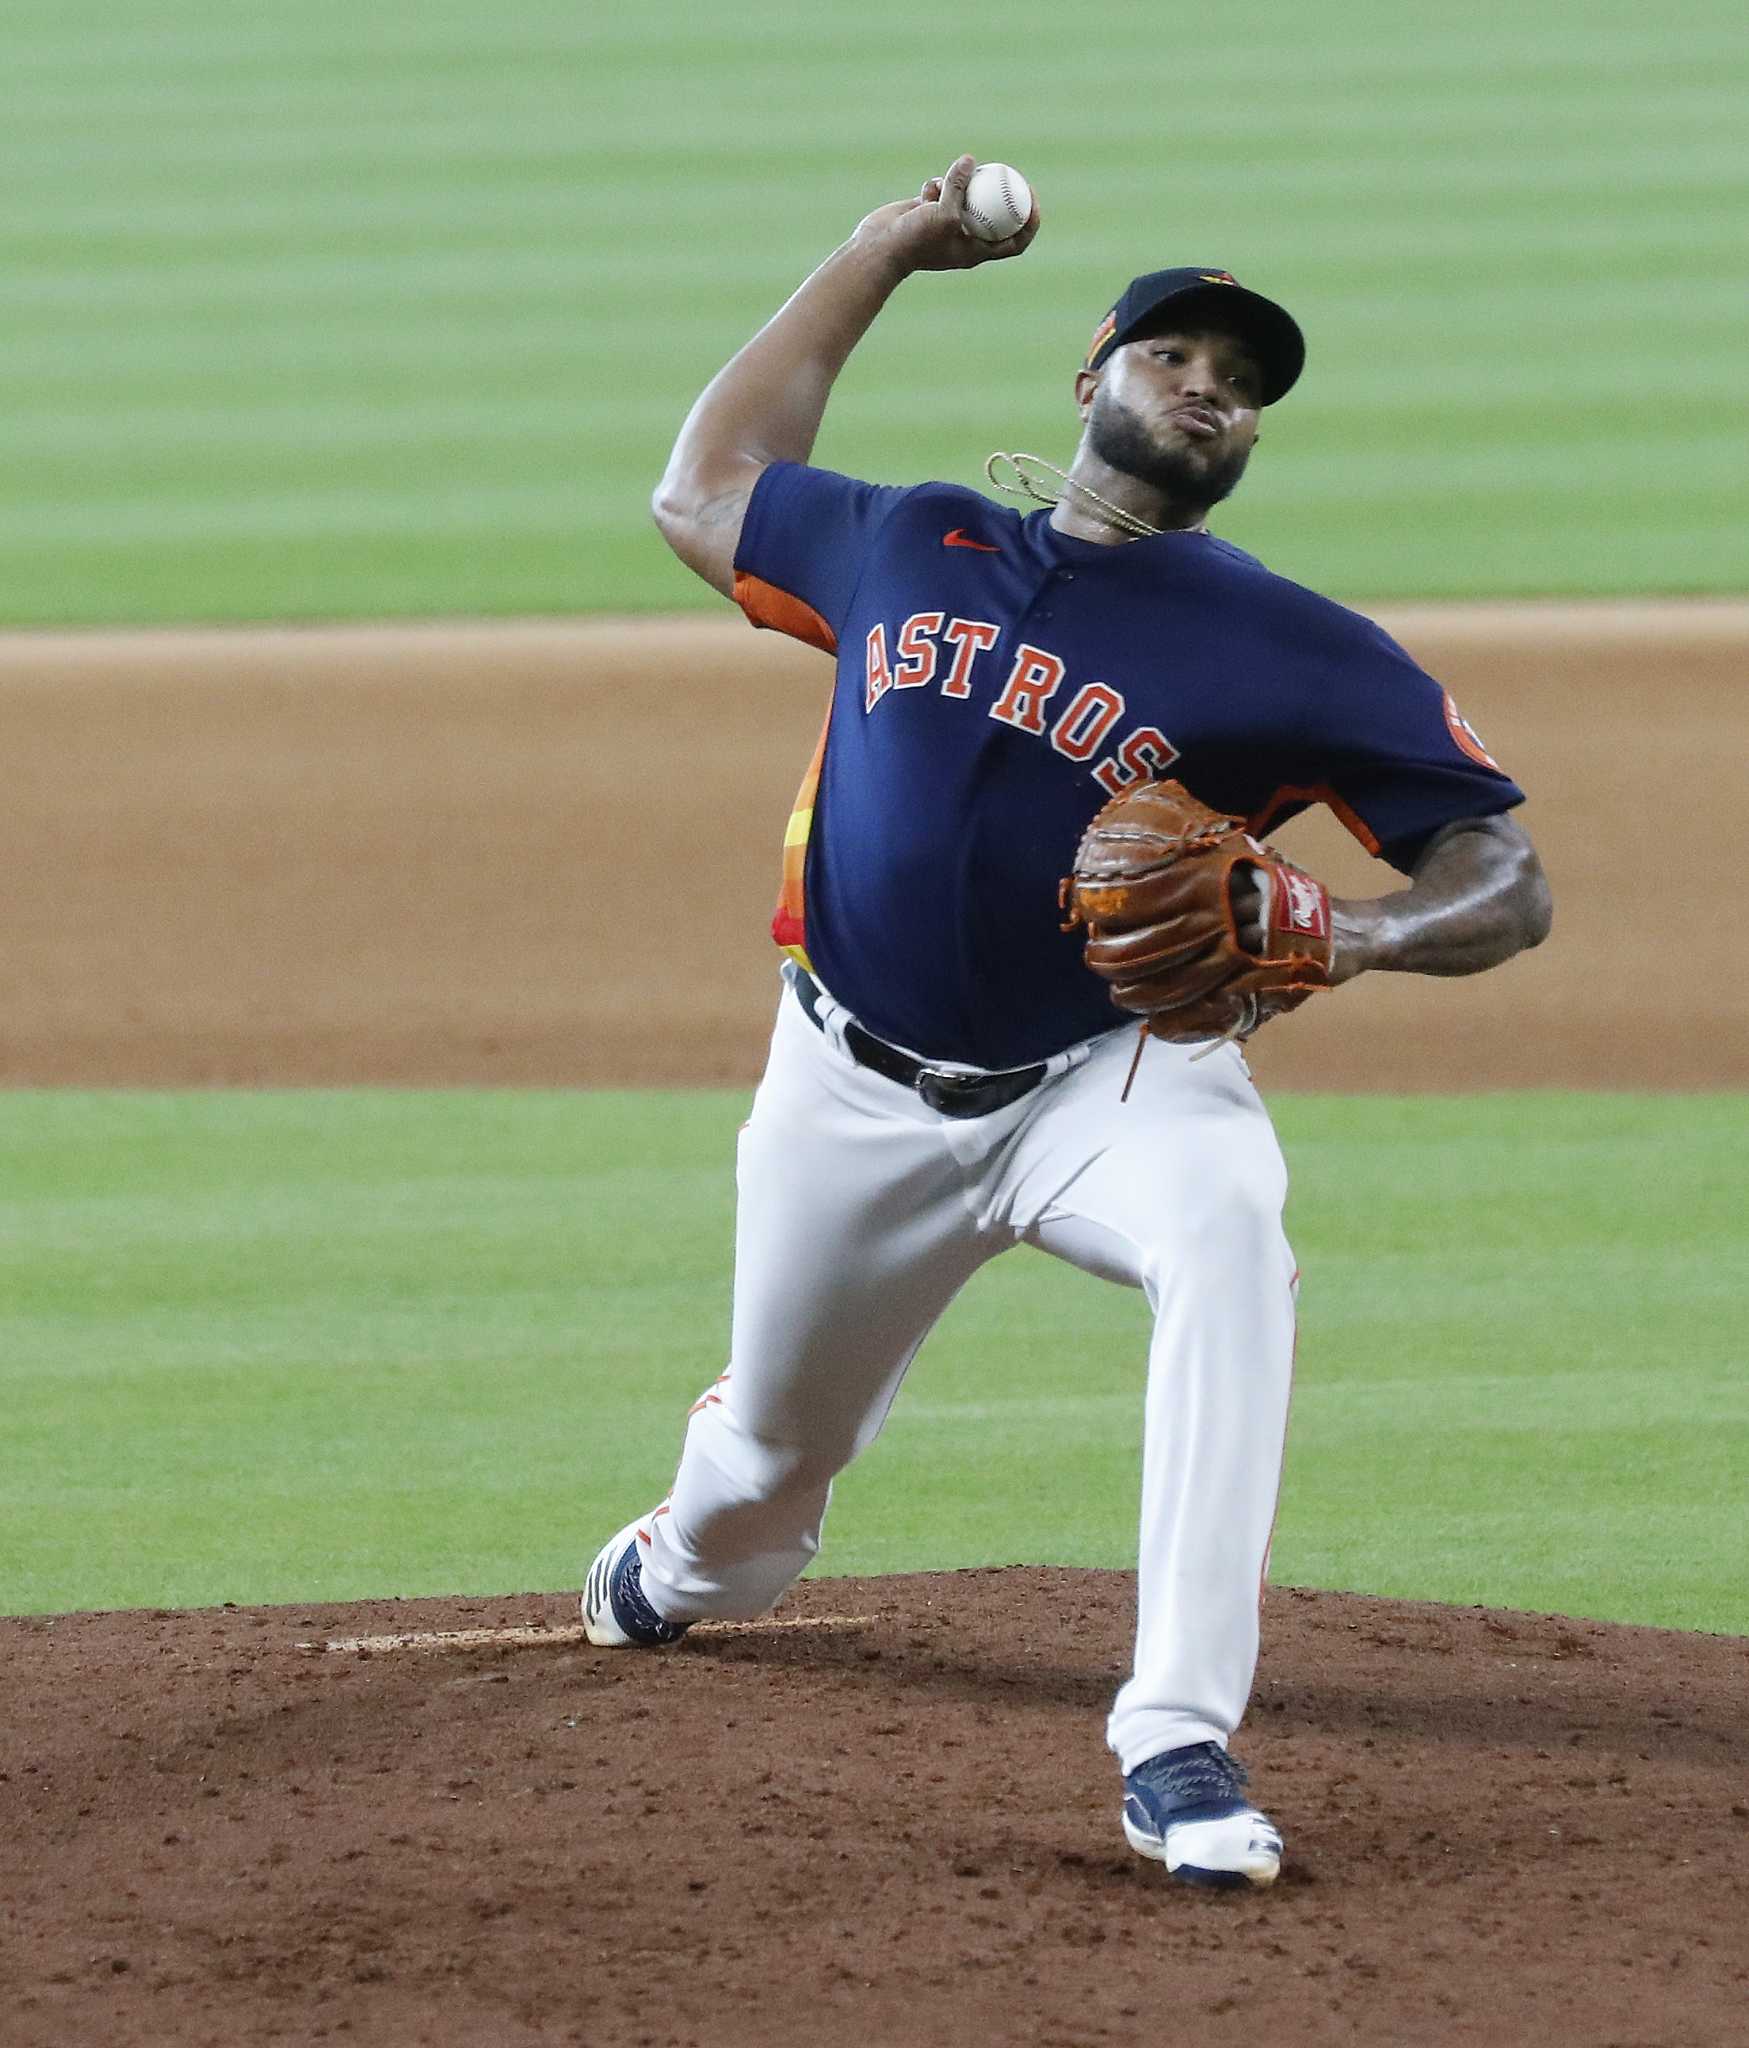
x=1178, y=410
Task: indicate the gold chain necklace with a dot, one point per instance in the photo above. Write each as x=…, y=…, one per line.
x=1023, y=485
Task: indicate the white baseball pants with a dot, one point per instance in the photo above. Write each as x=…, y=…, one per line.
x=862, y=1212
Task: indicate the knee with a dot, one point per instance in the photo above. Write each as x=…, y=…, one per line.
x=1232, y=1219
x=789, y=1469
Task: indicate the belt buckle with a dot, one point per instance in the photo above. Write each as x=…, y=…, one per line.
x=943, y=1091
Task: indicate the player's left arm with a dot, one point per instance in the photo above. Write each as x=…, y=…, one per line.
x=1477, y=895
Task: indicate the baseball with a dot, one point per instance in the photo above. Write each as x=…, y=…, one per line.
x=998, y=202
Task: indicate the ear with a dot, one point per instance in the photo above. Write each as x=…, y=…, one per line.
x=1086, y=383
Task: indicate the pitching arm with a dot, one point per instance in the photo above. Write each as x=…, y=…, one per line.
x=766, y=404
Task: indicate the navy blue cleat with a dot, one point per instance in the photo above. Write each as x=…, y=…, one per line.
x=616, y=1613
x=1186, y=1808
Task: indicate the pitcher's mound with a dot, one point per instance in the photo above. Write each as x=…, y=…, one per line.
x=884, y=1817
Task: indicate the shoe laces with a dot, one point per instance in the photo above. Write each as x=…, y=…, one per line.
x=1184, y=1777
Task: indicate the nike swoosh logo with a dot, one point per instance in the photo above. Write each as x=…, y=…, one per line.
x=959, y=538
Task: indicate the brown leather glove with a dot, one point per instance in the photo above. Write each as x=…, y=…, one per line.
x=1153, y=885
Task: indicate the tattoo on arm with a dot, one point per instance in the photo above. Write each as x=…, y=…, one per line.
x=726, y=510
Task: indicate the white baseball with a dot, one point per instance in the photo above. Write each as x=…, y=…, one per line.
x=998, y=202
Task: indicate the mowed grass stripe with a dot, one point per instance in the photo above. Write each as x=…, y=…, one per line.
x=200, y=38
x=324, y=1345
x=387, y=127
x=159, y=426
x=430, y=500
x=882, y=373
x=376, y=119
x=458, y=277
x=505, y=447
x=424, y=242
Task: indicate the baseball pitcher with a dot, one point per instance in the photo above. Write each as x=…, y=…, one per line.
x=1036, y=815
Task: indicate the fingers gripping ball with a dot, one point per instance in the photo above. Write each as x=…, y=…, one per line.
x=998, y=202
x=1153, y=886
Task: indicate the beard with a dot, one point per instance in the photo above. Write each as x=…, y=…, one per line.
x=1188, y=474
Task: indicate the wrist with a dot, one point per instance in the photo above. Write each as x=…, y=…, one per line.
x=880, y=252
x=1357, y=938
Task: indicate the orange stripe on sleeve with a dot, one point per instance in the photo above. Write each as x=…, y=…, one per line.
x=777, y=610
x=1316, y=793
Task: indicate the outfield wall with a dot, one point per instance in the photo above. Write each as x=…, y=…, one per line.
x=545, y=854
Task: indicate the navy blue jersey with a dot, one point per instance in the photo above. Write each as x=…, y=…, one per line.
x=997, y=681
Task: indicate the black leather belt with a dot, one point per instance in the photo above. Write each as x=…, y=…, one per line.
x=946, y=1093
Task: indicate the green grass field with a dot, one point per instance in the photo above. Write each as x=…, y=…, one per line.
x=325, y=310
x=293, y=1346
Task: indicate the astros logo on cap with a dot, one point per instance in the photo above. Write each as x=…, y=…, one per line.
x=1102, y=334
x=1219, y=277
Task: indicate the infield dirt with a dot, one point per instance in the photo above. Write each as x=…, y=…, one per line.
x=544, y=854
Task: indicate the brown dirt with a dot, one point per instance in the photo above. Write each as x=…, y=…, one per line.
x=425, y=855
x=1501, y=1828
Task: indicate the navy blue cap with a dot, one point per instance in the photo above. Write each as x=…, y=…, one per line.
x=1198, y=290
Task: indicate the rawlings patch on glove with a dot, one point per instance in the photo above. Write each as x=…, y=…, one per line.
x=1154, y=885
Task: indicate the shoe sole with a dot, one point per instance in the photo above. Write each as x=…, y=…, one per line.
x=1257, y=1865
